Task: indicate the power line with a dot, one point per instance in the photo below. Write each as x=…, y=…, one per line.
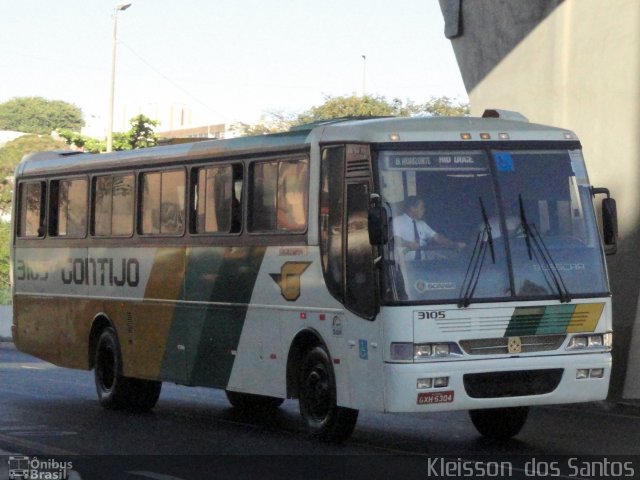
x=175, y=84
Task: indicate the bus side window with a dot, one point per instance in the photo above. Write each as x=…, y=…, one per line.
x=217, y=203
x=263, y=196
x=113, y=205
x=68, y=208
x=31, y=209
x=331, y=214
x=163, y=195
x=292, y=195
x=279, y=196
x=359, y=281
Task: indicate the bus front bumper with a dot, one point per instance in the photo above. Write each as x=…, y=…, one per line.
x=496, y=383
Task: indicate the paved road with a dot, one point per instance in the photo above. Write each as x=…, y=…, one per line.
x=46, y=410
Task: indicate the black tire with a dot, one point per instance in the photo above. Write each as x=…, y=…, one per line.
x=499, y=423
x=317, y=390
x=250, y=402
x=116, y=392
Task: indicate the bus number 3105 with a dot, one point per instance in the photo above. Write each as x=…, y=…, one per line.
x=430, y=314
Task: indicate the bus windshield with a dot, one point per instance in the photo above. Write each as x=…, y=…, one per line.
x=479, y=225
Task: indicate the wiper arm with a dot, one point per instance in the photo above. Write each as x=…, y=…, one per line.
x=563, y=292
x=478, y=254
x=487, y=228
x=532, y=235
x=525, y=226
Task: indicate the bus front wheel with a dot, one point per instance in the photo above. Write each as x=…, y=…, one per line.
x=499, y=423
x=116, y=391
x=317, y=391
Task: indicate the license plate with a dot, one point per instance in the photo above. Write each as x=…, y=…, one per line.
x=427, y=398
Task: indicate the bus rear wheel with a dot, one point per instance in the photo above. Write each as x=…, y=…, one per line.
x=499, y=423
x=249, y=401
x=115, y=391
x=317, y=391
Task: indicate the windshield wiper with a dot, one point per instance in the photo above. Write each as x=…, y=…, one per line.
x=478, y=254
x=532, y=236
x=487, y=228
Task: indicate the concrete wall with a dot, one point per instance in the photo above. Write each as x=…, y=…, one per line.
x=6, y=315
x=573, y=64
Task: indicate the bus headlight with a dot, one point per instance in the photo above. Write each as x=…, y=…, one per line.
x=596, y=341
x=422, y=352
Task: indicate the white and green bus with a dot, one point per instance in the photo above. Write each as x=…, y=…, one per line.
x=279, y=266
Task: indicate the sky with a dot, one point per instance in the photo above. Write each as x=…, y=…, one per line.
x=213, y=61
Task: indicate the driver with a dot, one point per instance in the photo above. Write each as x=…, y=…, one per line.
x=412, y=233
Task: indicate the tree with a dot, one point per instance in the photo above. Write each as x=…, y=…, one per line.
x=5, y=284
x=356, y=106
x=141, y=135
x=446, y=107
x=82, y=142
x=273, y=122
x=39, y=115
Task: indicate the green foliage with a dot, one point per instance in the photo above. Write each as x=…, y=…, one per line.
x=274, y=122
x=141, y=134
x=355, y=106
x=82, y=142
x=446, y=107
x=39, y=115
x=5, y=234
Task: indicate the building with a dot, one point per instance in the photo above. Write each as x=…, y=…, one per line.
x=206, y=132
x=572, y=64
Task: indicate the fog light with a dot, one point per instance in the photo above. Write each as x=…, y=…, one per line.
x=582, y=373
x=441, y=382
x=425, y=383
x=597, y=372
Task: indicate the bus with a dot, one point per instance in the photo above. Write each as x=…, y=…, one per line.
x=278, y=267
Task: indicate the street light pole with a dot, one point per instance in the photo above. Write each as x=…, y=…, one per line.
x=364, y=74
x=112, y=83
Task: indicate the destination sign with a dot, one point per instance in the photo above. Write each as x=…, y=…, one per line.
x=448, y=161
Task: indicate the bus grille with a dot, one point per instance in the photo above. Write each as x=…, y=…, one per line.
x=512, y=384
x=500, y=345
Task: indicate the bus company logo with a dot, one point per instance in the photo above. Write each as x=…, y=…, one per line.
x=514, y=345
x=422, y=286
x=22, y=467
x=289, y=279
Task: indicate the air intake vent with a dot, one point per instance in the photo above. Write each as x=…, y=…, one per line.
x=358, y=161
x=358, y=168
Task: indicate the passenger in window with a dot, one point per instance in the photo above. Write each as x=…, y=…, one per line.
x=412, y=234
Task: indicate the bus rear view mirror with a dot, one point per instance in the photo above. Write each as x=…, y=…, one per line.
x=378, y=226
x=609, y=221
x=610, y=225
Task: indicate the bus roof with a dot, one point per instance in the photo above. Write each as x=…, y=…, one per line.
x=373, y=130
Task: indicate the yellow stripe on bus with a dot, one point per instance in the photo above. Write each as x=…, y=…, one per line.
x=585, y=317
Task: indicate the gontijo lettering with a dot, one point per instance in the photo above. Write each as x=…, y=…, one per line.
x=101, y=271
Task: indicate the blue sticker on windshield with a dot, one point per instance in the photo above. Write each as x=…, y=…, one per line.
x=504, y=162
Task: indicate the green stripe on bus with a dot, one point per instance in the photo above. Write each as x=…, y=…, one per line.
x=555, y=320
x=203, y=338
x=525, y=321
